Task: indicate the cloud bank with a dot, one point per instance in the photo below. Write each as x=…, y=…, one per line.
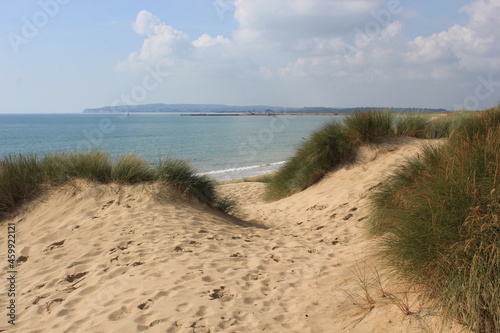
x=349, y=40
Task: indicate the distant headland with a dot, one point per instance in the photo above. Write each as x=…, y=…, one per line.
x=250, y=109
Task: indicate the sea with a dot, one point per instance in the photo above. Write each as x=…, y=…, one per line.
x=224, y=147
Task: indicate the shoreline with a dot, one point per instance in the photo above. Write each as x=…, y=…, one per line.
x=211, y=114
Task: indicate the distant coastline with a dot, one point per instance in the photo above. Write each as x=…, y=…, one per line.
x=206, y=109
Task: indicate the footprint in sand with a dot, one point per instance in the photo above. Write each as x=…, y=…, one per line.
x=180, y=249
x=347, y=217
x=183, y=307
x=21, y=260
x=121, y=246
x=207, y=278
x=216, y=237
x=146, y=305
x=75, y=277
x=237, y=255
x=273, y=257
x=255, y=276
x=38, y=299
x=54, y=246
x=107, y=204
x=191, y=275
x=119, y=314
x=317, y=207
x=52, y=304
x=137, y=263
x=157, y=322
x=221, y=293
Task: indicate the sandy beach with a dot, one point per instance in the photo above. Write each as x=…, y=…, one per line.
x=115, y=258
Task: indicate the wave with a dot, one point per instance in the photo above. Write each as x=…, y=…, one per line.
x=243, y=172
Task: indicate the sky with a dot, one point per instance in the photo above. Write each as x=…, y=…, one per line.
x=62, y=56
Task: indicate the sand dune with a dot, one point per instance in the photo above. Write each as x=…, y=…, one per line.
x=100, y=258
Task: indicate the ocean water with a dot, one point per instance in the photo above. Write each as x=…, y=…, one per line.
x=226, y=147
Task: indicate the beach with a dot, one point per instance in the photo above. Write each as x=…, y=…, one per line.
x=116, y=258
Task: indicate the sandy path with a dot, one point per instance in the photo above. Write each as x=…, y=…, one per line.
x=113, y=258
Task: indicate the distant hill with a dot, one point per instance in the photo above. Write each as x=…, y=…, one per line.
x=222, y=108
x=184, y=108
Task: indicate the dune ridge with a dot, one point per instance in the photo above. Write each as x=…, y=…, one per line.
x=116, y=258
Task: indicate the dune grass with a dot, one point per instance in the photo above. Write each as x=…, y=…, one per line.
x=333, y=144
x=132, y=169
x=20, y=177
x=23, y=176
x=336, y=143
x=182, y=176
x=414, y=125
x=439, y=217
x=326, y=148
x=93, y=166
x=367, y=126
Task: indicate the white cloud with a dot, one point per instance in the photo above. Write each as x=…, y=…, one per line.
x=384, y=52
x=206, y=40
x=471, y=47
x=164, y=44
x=287, y=23
x=355, y=42
x=296, y=34
x=147, y=24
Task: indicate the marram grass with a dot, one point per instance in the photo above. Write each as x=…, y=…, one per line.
x=439, y=217
x=332, y=145
x=336, y=143
x=326, y=148
x=22, y=176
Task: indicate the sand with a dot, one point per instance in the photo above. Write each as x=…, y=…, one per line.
x=115, y=258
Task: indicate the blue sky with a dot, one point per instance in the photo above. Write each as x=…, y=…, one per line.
x=66, y=55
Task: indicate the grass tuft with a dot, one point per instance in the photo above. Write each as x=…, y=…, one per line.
x=330, y=146
x=326, y=148
x=367, y=126
x=93, y=166
x=413, y=125
x=182, y=176
x=131, y=169
x=20, y=178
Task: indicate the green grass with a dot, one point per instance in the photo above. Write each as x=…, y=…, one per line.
x=334, y=144
x=22, y=177
x=132, y=169
x=439, y=220
x=440, y=127
x=367, y=126
x=93, y=166
x=181, y=175
x=413, y=125
x=326, y=148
